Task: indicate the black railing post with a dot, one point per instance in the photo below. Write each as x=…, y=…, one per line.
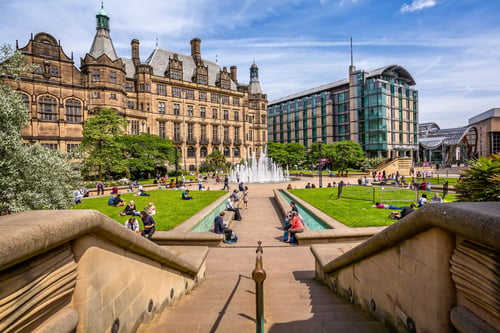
x=259, y=275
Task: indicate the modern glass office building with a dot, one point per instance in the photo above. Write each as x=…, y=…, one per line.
x=378, y=109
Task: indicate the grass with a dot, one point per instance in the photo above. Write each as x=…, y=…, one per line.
x=170, y=209
x=357, y=213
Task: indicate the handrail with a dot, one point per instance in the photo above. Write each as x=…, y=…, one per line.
x=259, y=275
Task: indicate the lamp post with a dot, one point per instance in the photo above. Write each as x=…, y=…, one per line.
x=320, y=166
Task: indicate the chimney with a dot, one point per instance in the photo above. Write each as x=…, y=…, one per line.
x=135, y=52
x=234, y=73
x=196, y=50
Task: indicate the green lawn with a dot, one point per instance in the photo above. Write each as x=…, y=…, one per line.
x=170, y=209
x=357, y=213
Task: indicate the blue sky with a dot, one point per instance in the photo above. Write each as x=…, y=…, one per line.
x=450, y=47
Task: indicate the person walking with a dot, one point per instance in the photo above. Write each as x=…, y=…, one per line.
x=226, y=183
x=245, y=198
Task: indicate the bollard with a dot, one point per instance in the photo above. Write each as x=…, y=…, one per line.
x=259, y=275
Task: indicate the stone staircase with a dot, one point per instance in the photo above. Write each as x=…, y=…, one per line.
x=293, y=300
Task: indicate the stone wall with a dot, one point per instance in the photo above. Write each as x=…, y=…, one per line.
x=80, y=271
x=414, y=275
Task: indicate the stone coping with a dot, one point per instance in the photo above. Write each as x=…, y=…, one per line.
x=477, y=221
x=30, y=233
x=338, y=233
x=182, y=233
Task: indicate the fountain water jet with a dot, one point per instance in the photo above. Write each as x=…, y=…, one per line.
x=262, y=170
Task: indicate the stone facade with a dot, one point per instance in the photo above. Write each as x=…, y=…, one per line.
x=191, y=101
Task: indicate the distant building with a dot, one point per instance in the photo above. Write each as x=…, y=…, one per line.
x=488, y=127
x=194, y=102
x=446, y=147
x=377, y=109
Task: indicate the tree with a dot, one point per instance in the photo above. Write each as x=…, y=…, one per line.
x=277, y=152
x=101, y=145
x=31, y=177
x=294, y=152
x=146, y=153
x=216, y=159
x=481, y=182
x=346, y=154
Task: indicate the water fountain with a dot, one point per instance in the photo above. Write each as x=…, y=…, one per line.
x=261, y=170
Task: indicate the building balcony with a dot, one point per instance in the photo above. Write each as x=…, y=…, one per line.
x=228, y=141
x=191, y=140
x=177, y=139
x=204, y=141
x=216, y=141
x=237, y=142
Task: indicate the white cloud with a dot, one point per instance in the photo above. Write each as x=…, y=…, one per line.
x=417, y=5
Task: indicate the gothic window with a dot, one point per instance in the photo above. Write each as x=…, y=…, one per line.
x=129, y=86
x=191, y=152
x=112, y=77
x=236, y=101
x=236, y=152
x=224, y=99
x=135, y=127
x=227, y=152
x=161, y=107
x=203, y=152
x=96, y=75
x=190, y=110
x=47, y=108
x=161, y=130
x=202, y=96
x=177, y=110
x=175, y=74
x=73, y=110
x=214, y=113
x=176, y=91
x=161, y=89
x=203, y=112
x=226, y=115
x=189, y=93
x=71, y=147
x=236, y=116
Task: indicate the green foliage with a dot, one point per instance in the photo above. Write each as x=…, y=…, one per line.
x=31, y=177
x=145, y=153
x=216, y=159
x=101, y=145
x=372, y=162
x=286, y=154
x=346, y=154
x=481, y=182
x=170, y=209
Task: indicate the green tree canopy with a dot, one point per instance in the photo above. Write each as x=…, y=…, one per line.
x=345, y=154
x=146, y=153
x=481, y=182
x=216, y=158
x=31, y=177
x=101, y=144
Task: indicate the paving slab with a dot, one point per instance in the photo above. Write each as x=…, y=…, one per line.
x=294, y=300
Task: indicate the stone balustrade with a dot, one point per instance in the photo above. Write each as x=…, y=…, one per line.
x=80, y=271
x=436, y=270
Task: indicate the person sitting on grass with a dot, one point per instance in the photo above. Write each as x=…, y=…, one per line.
x=133, y=225
x=116, y=201
x=186, y=195
x=130, y=209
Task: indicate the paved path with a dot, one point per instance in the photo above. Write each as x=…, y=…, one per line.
x=294, y=300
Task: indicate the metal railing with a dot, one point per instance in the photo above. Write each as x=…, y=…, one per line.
x=259, y=275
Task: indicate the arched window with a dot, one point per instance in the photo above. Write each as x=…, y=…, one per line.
x=203, y=152
x=227, y=152
x=236, y=152
x=47, y=108
x=191, y=151
x=73, y=111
